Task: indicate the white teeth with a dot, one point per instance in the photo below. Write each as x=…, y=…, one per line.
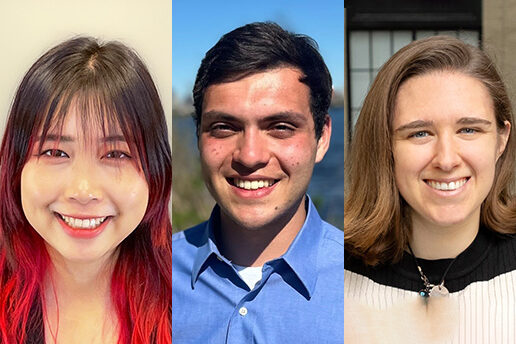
x=83, y=223
x=252, y=184
x=447, y=186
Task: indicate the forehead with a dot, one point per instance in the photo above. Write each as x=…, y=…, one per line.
x=264, y=93
x=443, y=95
x=86, y=127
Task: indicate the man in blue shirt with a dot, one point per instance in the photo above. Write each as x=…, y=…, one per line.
x=264, y=268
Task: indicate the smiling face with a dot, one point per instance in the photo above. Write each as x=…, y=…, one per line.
x=445, y=147
x=83, y=195
x=258, y=147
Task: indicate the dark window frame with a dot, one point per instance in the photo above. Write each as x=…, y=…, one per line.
x=410, y=15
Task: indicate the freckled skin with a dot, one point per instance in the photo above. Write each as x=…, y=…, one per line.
x=255, y=147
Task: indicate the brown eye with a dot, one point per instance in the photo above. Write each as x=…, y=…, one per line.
x=221, y=130
x=54, y=153
x=282, y=130
x=117, y=155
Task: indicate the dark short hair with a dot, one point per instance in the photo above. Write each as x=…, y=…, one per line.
x=262, y=46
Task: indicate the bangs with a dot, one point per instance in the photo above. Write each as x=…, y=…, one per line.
x=96, y=112
x=111, y=95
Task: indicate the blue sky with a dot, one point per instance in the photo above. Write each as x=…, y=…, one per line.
x=198, y=25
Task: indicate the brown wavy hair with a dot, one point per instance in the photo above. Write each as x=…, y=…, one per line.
x=376, y=218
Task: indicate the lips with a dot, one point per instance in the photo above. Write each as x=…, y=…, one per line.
x=83, y=227
x=447, y=186
x=255, y=187
x=254, y=184
x=83, y=223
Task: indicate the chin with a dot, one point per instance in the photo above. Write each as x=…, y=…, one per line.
x=252, y=223
x=448, y=221
x=84, y=256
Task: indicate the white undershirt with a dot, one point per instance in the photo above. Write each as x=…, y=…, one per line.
x=249, y=274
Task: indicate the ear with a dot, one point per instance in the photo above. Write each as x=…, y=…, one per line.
x=503, y=137
x=324, y=141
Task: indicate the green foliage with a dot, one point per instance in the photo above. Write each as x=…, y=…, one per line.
x=191, y=201
x=334, y=220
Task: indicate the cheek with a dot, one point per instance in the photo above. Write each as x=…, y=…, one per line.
x=481, y=159
x=411, y=159
x=130, y=193
x=408, y=165
x=38, y=186
x=296, y=155
x=213, y=154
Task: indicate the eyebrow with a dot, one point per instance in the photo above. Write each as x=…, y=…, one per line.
x=67, y=138
x=218, y=115
x=114, y=138
x=54, y=137
x=474, y=120
x=284, y=115
x=463, y=121
x=415, y=125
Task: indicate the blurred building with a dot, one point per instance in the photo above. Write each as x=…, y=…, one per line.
x=376, y=29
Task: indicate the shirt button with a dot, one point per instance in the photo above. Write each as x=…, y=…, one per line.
x=242, y=311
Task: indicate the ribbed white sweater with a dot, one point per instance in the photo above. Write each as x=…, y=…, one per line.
x=382, y=304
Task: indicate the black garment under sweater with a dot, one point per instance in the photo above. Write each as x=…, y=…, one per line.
x=481, y=282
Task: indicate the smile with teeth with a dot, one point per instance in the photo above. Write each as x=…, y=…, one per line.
x=443, y=186
x=83, y=223
x=253, y=184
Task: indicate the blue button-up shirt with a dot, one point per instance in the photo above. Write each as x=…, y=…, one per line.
x=300, y=298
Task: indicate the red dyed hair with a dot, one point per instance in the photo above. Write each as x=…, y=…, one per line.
x=112, y=87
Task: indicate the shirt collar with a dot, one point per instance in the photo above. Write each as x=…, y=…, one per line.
x=209, y=247
x=301, y=256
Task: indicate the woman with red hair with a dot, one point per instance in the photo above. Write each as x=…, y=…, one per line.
x=85, y=181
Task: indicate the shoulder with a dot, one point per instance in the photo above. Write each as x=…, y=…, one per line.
x=501, y=257
x=317, y=227
x=356, y=265
x=195, y=236
x=332, y=243
x=330, y=249
x=333, y=234
x=185, y=247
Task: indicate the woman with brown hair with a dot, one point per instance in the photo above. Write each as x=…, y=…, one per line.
x=430, y=206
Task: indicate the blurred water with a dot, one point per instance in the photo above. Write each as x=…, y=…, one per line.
x=327, y=185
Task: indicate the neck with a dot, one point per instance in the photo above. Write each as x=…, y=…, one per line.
x=255, y=247
x=431, y=241
x=78, y=299
x=81, y=278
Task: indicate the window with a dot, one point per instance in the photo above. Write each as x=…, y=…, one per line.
x=376, y=29
x=370, y=49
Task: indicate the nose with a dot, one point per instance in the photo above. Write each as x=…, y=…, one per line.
x=447, y=153
x=251, y=150
x=83, y=186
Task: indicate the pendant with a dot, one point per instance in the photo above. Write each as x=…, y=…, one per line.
x=424, y=293
x=439, y=291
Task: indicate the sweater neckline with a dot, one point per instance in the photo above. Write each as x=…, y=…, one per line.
x=467, y=261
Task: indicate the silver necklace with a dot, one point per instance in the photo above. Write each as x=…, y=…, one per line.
x=434, y=290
